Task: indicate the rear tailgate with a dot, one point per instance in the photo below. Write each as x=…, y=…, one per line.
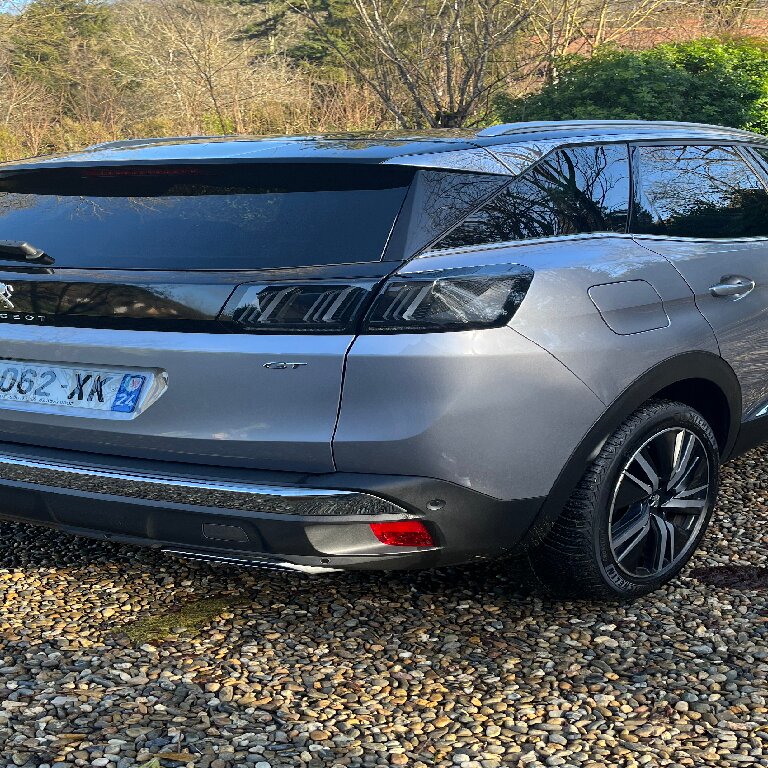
x=153, y=276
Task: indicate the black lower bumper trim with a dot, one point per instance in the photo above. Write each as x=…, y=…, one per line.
x=309, y=537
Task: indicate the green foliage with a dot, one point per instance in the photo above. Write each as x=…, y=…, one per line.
x=217, y=124
x=307, y=44
x=50, y=34
x=724, y=82
x=154, y=126
x=322, y=47
x=11, y=144
x=66, y=48
x=270, y=24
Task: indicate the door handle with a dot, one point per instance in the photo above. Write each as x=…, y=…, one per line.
x=735, y=286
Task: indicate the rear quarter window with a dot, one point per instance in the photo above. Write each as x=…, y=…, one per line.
x=571, y=191
x=205, y=217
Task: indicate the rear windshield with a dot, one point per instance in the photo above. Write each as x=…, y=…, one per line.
x=204, y=217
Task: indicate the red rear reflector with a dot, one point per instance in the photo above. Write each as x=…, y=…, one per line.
x=403, y=533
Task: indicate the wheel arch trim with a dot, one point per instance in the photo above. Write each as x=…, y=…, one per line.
x=674, y=370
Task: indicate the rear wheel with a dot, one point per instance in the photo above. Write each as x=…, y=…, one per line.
x=640, y=510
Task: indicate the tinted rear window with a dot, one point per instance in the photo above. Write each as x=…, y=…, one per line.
x=205, y=217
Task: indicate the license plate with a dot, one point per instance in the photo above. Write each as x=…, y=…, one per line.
x=94, y=389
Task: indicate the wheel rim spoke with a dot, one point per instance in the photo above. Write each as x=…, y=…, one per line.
x=664, y=546
x=682, y=504
x=645, y=487
x=691, y=491
x=682, y=458
x=630, y=493
x=631, y=532
x=650, y=471
x=660, y=502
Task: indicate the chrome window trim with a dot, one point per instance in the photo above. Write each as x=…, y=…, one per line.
x=513, y=243
x=581, y=236
x=640, y=236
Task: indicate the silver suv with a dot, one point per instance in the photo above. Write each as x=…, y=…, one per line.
x=389, y=351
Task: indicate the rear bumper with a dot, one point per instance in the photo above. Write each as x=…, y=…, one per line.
x=311, y=523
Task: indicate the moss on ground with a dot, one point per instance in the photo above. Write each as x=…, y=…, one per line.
x=189, y=618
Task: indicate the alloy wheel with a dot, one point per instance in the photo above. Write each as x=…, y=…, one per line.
x=660, y=503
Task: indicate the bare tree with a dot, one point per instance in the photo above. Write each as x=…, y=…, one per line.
x=561, y=27
x=729, y=17
x=434, y=63
x=28, y=113
x=196, y=69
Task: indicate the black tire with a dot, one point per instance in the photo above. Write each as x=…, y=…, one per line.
x=595, y=549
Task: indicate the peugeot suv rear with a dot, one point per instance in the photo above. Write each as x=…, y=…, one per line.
x=385, y=351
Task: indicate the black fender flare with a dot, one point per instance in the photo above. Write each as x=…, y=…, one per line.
x=687, y=365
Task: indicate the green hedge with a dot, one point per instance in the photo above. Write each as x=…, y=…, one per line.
x=724, y=82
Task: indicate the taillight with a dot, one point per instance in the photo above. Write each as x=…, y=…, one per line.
x=315, y=307
x=419, y=302
x=449, y=300
x=403, y=533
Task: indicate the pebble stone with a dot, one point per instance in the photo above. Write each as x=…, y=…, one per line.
x=113, y=656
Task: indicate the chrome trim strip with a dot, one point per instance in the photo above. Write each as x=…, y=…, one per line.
x=286, y=500
x=175, y=482
x=265, y=564
x=458, y=250
x=513, y=243
x=712, y=240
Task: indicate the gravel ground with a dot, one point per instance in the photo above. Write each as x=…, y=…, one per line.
x=113, y=656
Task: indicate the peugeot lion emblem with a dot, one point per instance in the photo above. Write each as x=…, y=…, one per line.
x=5, y=296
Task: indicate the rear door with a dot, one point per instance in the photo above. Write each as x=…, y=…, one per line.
x=221, y=300
x=706, y=210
